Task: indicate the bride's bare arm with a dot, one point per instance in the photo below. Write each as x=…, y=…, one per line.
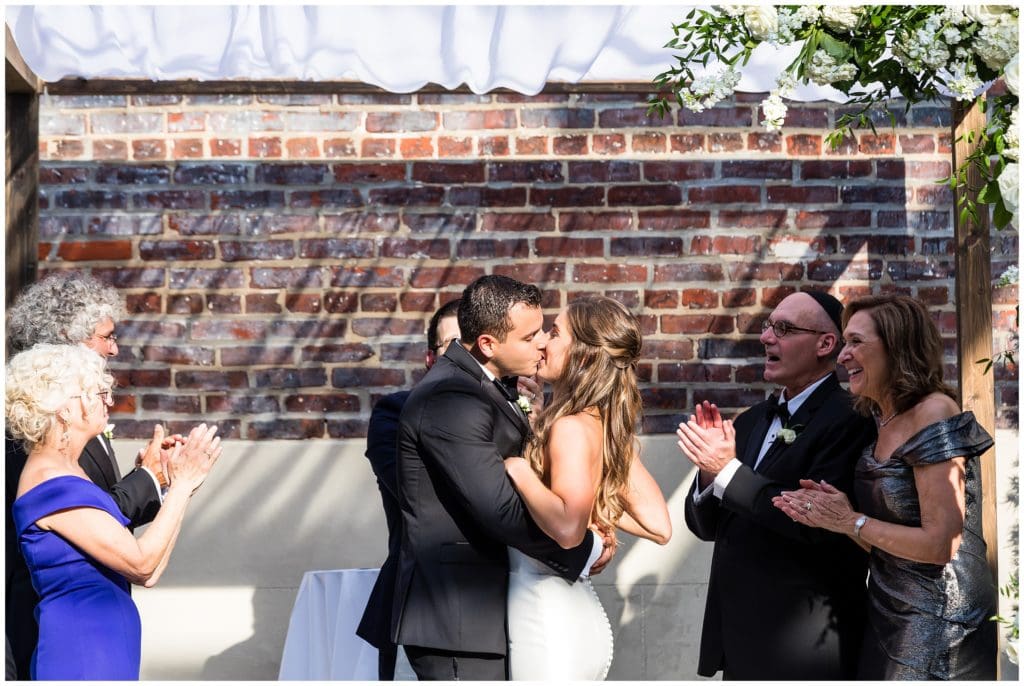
x=563, y=510
x=646, y=513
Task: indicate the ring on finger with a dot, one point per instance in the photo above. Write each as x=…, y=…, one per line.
x=807, y=506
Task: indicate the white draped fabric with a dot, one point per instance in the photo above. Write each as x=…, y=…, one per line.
x=398, y=48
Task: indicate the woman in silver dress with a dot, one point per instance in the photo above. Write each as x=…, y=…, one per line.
x=918, y=491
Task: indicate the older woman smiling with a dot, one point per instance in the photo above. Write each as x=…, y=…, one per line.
x=919, y=493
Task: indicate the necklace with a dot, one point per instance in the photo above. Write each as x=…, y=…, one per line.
x=882, y=421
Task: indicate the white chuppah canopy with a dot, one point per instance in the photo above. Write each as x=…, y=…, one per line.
x=398, y=48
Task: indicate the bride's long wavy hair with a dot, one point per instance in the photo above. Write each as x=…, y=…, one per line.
x=600, y=373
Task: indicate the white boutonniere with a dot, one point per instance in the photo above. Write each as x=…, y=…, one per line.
x=108, y=431
x=788, y=434
x=524, y=404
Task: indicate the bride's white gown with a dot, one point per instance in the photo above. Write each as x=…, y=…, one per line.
x=556, y=630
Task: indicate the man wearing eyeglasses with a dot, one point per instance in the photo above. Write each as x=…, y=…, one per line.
x=784, y=601
x=61, y=309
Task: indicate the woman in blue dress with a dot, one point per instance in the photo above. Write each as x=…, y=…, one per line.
x=79, y=552
x=918, y=491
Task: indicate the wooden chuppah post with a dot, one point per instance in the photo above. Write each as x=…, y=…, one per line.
x=974, y=316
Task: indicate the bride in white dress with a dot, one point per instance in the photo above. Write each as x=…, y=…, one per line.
x=581, y=470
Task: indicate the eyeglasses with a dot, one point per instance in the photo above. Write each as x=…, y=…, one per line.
x=784, y=328
x=109, y=338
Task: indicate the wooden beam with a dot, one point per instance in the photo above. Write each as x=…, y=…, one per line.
x=20, y=78
x=974, y=318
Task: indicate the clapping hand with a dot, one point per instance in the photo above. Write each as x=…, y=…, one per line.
x=157, y=454
x=817, y=504
x=192, y=461
x=708, y=441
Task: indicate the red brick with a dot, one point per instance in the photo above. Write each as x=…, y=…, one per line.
x=262, y=303
x=176, y=250
x=569, y=145
x=687, y=271
x=661, y=300
x=144, y=303
x=678, y=171
x=95, y=250
x=603, y=170
x=225, y=147
x=356, y=377
x=265, y=147
x=645, y=195
x=646, y=246
x=43, y=250
x=724, y=195
x=228, y=329
x=256, y=355
x=832, y=270
x=609, y=273
x=630, y=298
x=543, y=273
x=834, y=169
x=420, y=195
x=673, y=220
x=480, y=119
x=518, y=221
x=288, y=378
x=302, y=302
x=447, y=172
x=401, y=122
x=369, y=173
x=487, y=196
x=694, y=372
x=569, y=247
x=488, y=248
x=672, y=349
x=882, y=144
x=931, y=170
x=285, y=429
x=342, y=352
x=149, y=149
x=187, y=147
x=335, y=402
x=531, y=145
x=803, y=144
x=285, y=277
x=787, y=195
x=698, y=298
x=376, y=277
x=147, y=378
x=595, y=221
x=686, y=142
x=416, y=147
x=567, y=196
x=753, y=219
x=378, y=147
x=739, y=297
x=693, y=324
x=826, y=220
x=450, y=146
x=240, y=404
x=378, y=302
x=437, y=277
x=184, y=303
x=101, y=150
x=766, y=271
x=493, y=146
x=648, y=142
x=184, y=355
x=764, y=142
x=339, y=147
x=724, y=142
x=175, y=404
x=724, y=245
x=917, y=144
x=933, y=195
x=417, y=302
x=771, y=296
x=210, y=380
x=306, y=147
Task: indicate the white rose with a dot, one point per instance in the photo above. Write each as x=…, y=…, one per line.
x=1009, y=187
x=840, y=17
x=787, y=436
x=1010, y=75
x=761, y=21
x=986, y=15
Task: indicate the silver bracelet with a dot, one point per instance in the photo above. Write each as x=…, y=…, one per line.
x=859, y=524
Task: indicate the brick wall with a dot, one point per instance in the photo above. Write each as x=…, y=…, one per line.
x=279, y=254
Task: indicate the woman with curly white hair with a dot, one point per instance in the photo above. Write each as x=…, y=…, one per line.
x=71, y=308
x=73, y=536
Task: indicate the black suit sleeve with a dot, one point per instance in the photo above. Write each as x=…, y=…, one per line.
x=832, y=457
x=137, y=497
x=702, y=519
x=382, y=441
x=456, y=434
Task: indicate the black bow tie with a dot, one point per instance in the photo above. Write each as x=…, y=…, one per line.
x=509, y=387
x=780, y=410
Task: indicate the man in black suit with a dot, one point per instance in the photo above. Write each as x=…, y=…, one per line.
x=62, y=309
x=381, y=445
x=459, y=509
x=784, y=601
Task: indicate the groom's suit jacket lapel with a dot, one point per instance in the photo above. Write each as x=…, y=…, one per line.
x=461, y=357
x=102, y=464
x=800, y=418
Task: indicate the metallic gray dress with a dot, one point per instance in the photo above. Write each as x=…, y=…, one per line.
x=927, y=621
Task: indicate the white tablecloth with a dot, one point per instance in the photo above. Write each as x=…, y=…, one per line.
x=321, y=643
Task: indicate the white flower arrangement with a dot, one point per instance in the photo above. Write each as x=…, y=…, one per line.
x=108, y=431
x=524, y=404
x=787, y=435
x=871, y=53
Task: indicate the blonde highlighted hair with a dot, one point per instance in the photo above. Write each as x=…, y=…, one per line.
x=41, y=380
x=600, y=373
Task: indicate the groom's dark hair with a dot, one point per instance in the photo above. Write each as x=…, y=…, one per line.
x=485, y=305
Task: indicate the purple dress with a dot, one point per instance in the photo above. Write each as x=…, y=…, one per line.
x=89, y=626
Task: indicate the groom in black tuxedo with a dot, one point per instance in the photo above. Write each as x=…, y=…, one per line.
x=459, y=508
x=784, y=601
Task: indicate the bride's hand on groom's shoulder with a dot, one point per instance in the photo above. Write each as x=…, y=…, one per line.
x=516, y=466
